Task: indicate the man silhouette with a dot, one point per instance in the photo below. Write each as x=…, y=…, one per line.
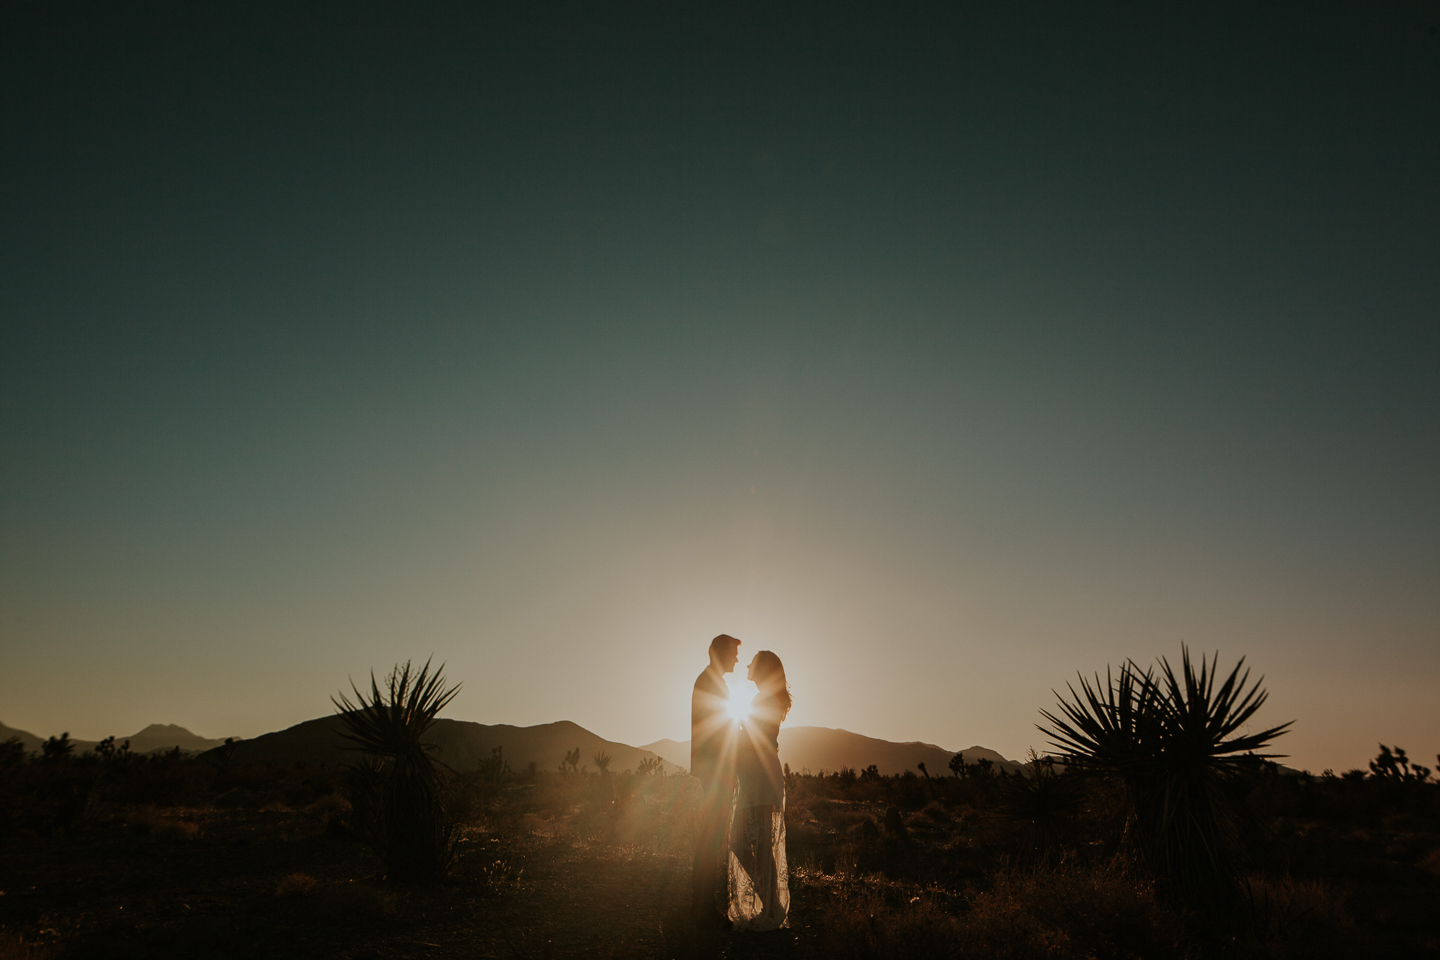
x=712, y=759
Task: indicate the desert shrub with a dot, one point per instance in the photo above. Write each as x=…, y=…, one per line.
x=1104, y=912
x=163, y=824
x=296, y=885
x=860, y=922
x=237, y=798
x=554, y=794
x=396, y=786
x=1174, y=742
x=331, y=806
x=1043, y=803
x=1295, y=917
x=15, y=947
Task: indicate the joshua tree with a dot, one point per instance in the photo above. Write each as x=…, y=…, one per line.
x=57, y=748
x=957, y=766
x=602, y=760
x=1397, y=766
x=397, y=780
x=494, y=769
x=571, y=761
x=106, y=750
x=1173, y=741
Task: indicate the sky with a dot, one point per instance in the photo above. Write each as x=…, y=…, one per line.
x=948, y=351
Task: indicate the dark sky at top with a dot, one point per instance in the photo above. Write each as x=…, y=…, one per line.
x=336, y=334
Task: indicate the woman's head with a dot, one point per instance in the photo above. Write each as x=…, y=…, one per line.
x=768, y=674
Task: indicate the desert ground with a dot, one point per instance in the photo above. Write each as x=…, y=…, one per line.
x=137, y=857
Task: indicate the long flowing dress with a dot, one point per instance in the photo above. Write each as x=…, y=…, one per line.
x=759, y=877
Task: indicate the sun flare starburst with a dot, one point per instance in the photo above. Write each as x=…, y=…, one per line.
x=742, y=692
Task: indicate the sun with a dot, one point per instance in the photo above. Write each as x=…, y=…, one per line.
x=741, y=693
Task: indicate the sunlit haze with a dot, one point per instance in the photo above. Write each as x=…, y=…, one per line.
x=742, y=693
x=945, y=356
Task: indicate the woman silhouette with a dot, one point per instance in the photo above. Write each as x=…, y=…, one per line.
x=759, y=894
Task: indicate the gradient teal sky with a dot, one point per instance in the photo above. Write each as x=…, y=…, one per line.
x=945, y=354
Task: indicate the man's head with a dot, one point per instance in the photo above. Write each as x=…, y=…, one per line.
x=724, y=652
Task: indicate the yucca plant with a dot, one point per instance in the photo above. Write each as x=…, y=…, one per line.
x=1176, y=744
x=398, y=804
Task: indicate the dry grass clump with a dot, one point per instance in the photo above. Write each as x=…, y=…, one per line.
x=1104, y=912
x=331, y=806
x=1290, y=917
x=1057, y=916
x=859, y=922
x=13, y=947
x=1430, y=863
x=165, y=825
x=935, y=811
x=296, y=885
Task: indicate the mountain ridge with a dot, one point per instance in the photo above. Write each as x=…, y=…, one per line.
x=460, y=744
x=156, y=736
x=464, y=744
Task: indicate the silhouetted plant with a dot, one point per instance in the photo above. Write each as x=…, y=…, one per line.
x=1041, y=801
x=397, y=782
x=958, y=767
x=1173, y=741
x=494, y=769
x=57, y=748
x=651, y=766
x=602, y=760
x=1396, y=766
x=571, y=762
x=12, y=753
x=107, y=751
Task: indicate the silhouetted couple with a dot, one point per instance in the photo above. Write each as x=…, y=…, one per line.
x=741, y=878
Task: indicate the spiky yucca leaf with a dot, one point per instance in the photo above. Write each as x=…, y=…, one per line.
x=1175, y=743
x=393, y=723
x=397, y=780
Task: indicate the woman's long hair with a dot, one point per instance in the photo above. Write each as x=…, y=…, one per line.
x=770, y=681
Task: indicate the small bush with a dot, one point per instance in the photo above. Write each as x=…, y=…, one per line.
x=296, y=885
x=1305, y=916
x=331, y=806
x=165, y=825
x=13, y=947
x=1430, y=863
x=1104, y=912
